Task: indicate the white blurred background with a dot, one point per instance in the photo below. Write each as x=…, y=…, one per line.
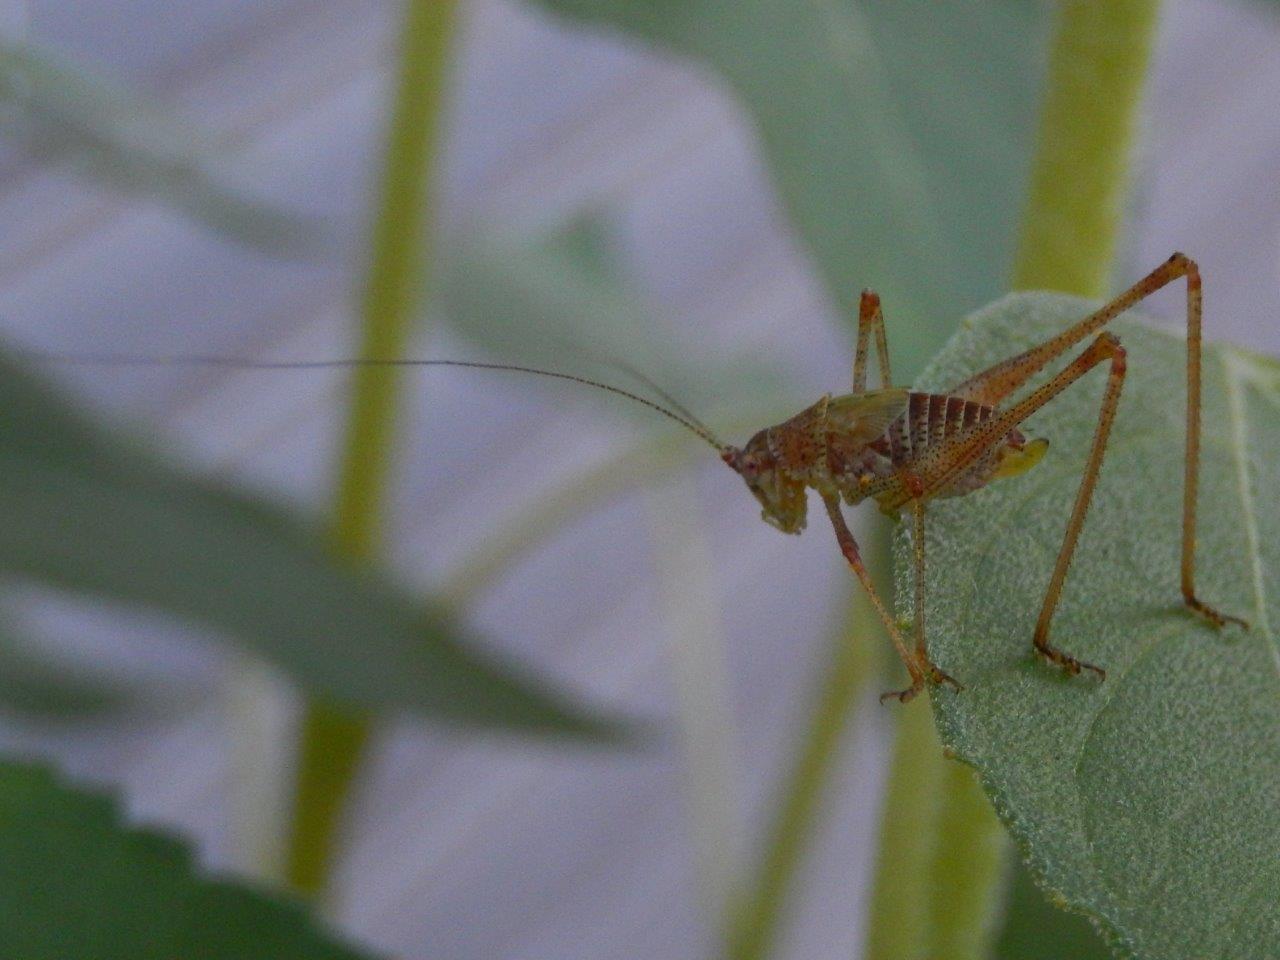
x=487, y=848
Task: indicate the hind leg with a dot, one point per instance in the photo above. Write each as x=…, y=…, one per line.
x=994, y=384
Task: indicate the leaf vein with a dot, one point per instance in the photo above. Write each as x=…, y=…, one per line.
x=1240, y=437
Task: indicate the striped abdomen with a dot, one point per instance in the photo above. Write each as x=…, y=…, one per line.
x=930, y=421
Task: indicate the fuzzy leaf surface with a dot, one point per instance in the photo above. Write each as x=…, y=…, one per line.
x=1147, y=801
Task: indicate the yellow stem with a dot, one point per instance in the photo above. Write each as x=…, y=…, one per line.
x=1080, y=177
x=333, y=737
x=857, y=652
x=902, y=892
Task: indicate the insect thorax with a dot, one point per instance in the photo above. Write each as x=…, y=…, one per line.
x=861, y=446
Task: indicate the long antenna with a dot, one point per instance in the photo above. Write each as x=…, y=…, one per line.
x=688, y=421
x=649, y=382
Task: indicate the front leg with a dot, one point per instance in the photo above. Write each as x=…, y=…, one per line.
x=918, y=667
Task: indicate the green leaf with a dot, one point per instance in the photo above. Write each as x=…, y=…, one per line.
x=1147, y=801
x=77, y=884
x=83, y=510
x=1035, y=929
x=896, y=133
x=64, y=113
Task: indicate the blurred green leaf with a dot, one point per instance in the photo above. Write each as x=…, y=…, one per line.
x=1147, y=801
x=83, y=510
x=897, y=135
x=63, y=113
x=1035, y=929
x=40, y=684
x=77, y=884
x=560, y=303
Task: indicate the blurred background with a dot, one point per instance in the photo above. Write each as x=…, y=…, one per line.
x=603, y=195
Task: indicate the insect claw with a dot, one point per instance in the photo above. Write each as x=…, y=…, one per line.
x=902, y=696
x=1069, y=664
x=938, y=677
x=1215, y=617
x=1102, y=674
x=934, y=676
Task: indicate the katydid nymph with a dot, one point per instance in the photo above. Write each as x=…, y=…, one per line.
x=904, y=448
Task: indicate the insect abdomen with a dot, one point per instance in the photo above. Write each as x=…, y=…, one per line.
x=930, y=420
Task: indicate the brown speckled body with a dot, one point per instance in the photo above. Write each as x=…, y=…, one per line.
x=929, y=420
x=868, y=444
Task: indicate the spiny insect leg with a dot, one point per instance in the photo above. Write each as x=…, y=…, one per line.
x=954, y=458
x=1104, y=347
x=1191, y=464
x=1002, y=379
x=870, y=320
x=935, y=674
x=849, y=547
x=997, y=382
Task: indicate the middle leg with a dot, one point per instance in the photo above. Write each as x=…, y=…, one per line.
x=932, y=672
